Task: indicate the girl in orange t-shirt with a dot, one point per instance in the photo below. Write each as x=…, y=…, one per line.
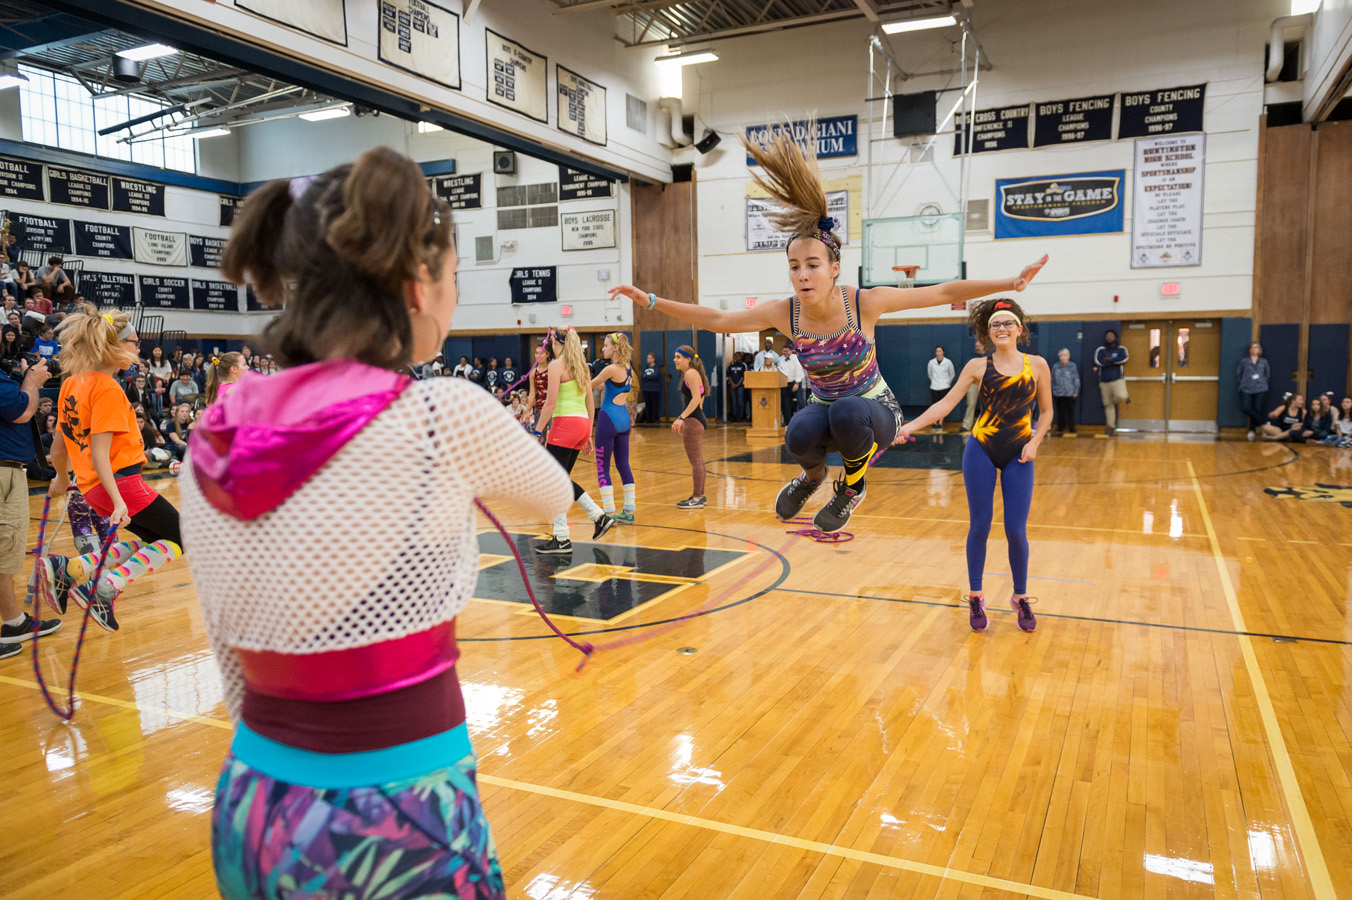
x=101, y=442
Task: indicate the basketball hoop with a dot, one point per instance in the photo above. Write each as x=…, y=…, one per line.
x=905, y=275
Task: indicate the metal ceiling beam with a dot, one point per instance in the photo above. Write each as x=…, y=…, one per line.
x=774, y=25
x=868, y=8
x=217, y=77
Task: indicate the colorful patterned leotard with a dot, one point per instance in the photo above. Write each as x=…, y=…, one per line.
x=1005, y=422
x=844, y=363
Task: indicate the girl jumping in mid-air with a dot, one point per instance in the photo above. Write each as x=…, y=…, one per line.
x=613, y=424
x=1003, y=445
x=852, y=410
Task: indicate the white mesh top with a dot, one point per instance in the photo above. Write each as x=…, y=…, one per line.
x=380, y=543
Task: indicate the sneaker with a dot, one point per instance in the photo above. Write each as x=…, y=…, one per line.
x=626, y=517
x=100, y=607
x=1059, y=434
x=59, y=579
x=24, y=630
x=8, y=650
x=692, y=503
x=1027, y=621
x=835, y=515
x=794, y=495
x=554, y=545
x=603, y=524
x=1110, y=432
x=976, y=612
x=1252, y=435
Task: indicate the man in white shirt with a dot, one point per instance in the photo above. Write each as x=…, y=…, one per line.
x=792, y=370
x=767, y=360
x=941, y=378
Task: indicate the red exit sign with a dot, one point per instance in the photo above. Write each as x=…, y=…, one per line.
x=1169, y=289
x=566, y=310
x=750, y=302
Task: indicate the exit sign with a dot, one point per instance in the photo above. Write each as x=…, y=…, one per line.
x=566, y=310
x=750, y=302
x=1169, y=289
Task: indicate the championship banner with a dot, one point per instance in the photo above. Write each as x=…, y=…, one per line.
x=1083, y=203
x=833, y=137
x=1166, y=212
x=252, y=303
x=761, y=233
x=214, y=296
x=143, y=197
x=1167, y=111
x=41, y=233
x=107, y=289
x=325, y=19
x=160, y=248
x=536, y=285
x=1073, y=121
x=588, y=230
x=164, y=293
x=582, y=106
x=420, y=37
x=1003, y=128
x=460, y=191
x=229, y=206
x=205, y=252
x=22, y=180
x=73, y=187
x=575, y=185
x=103, y=241
x=516, y=77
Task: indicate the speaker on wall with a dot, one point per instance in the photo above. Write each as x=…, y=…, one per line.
x=504, y=162
x=913, y=114
x=710, y=140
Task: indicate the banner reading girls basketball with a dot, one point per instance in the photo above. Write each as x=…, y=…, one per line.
x=1081, y=203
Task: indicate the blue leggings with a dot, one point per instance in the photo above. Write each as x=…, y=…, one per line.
x=1016, y=486
x=611, y=443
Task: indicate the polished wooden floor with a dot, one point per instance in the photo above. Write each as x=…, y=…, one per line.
x=1179, y=725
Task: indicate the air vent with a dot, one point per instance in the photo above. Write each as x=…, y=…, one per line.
x=635, y=114
x=979, y=215
x=483, y=249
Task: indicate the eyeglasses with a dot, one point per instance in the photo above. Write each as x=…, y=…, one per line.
x=1004, y=325
x=136, y=341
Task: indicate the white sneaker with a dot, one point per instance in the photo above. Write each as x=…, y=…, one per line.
x=1251, y=434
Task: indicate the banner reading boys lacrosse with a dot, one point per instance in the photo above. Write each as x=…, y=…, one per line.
x=1082, y=203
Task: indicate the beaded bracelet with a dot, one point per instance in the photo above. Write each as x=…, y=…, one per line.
x=652, y=300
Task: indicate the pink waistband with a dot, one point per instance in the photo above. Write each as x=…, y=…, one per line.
x=352, y=673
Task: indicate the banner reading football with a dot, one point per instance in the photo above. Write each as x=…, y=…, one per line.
x=1082, y=203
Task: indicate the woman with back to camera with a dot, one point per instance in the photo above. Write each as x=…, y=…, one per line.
x=852, y=410
x=330, y=585
x=613, y=424
x=1003, y=445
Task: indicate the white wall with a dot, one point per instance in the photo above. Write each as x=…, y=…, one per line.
x=1328, y=47
x=1042, y=50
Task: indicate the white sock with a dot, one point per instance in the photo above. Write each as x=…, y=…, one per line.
x=589, y=505
x=560, y=528
x=17, y=620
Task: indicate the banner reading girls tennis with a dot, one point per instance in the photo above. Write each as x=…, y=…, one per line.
x=1060, y=205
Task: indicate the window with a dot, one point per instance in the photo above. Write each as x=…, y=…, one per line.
x=57, y=111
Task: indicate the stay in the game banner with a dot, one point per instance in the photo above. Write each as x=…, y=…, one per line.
x=1059, y=205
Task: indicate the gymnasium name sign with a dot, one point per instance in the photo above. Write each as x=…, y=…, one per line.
x=1082, y=203
x=833, y=137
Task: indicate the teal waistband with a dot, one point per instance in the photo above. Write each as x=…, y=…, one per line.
x=350, y=770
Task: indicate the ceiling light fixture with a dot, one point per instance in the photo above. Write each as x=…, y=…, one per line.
x=918, y=24
x=688, y=59
x=210, y=133
x=149, y=51
x=428, y=127
x=334, y=112
x=9, y=81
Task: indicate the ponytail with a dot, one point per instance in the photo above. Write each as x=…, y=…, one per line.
x=218, y=367
x=573, y=360
x=697, y=364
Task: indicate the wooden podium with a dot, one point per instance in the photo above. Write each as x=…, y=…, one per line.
x=766, y=420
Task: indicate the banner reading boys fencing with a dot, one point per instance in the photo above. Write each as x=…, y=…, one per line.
x=1082, y=203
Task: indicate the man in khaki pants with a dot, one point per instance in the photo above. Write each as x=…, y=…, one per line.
x=17, y=405
x=1108, y=361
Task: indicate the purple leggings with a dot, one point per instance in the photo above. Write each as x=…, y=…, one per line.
x=611, y=444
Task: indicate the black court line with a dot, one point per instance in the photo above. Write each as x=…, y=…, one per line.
x=1041, y=615
x=784, y=571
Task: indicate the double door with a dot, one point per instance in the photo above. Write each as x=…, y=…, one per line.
x=1173, y=375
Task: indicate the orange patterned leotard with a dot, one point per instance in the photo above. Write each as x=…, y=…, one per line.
x=1005, y=422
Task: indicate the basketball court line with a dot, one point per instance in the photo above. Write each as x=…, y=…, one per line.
x=1307, y=840
x=756, y=834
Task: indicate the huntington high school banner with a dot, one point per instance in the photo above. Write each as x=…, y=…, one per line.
x=1059, y=205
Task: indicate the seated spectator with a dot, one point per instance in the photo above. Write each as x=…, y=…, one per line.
x=23, y=280
x=15, y=322
x=46, y=346
x=1342, y=425
x=433, y=368
x=159, y=366
x=1285, y=422
x=199, y=372
x=54, y=281
x=462, y=369
x=46, y=433
x=11, y=349
x=176, y=359
x=184, y=390
x=140, y=393
x=40, y=303
x=1318, y=424
x=176, y=430
x=156, y=453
